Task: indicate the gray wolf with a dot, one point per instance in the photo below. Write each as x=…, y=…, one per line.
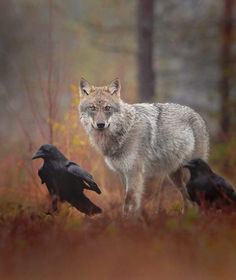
x=141, y=141
x=206, y=188
x=66, y=180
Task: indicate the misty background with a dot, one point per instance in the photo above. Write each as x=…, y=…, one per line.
x=181, y=51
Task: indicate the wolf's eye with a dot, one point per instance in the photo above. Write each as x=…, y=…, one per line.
x=107, y=108
x=92, y=108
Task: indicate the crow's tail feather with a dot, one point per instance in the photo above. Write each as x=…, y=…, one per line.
x=93, y=186
x=227, y=193
x=86, y=206
x=232, y=195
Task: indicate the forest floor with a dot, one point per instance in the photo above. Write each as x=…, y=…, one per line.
x=69, y=245
x=35, y=246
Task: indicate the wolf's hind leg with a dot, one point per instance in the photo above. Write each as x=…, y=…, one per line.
x=153, y=195
x=180, y=179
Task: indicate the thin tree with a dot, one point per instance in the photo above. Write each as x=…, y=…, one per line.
x=226, y=66
x=145, y=28
x=49, y=92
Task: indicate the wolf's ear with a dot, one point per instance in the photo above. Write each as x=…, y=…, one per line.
x=85, y=87
x=114, y=87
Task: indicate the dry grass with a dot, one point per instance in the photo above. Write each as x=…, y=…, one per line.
x=71, y=246
x=108, y=246
x=36, y=246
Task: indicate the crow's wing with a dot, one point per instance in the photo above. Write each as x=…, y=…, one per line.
x=42, y=175
x=81, y=174
x=224, y=188
x=84, y=205
x=47, y=179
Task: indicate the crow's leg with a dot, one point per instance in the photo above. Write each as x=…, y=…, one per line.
x=179, y=178
x=53, y=208
x=202, y=201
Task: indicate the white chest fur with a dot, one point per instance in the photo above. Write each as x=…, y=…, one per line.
x=122, y=164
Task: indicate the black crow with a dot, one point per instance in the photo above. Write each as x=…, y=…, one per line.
x=207, y=188
x=66, y=180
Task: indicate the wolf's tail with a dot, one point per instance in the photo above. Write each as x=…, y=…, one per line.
x=201, y=136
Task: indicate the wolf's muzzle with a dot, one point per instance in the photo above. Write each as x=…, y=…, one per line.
x=100, y=125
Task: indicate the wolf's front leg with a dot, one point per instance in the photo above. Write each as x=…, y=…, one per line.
x=134, y=184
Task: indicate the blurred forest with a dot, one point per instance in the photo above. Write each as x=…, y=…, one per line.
x=168, y=51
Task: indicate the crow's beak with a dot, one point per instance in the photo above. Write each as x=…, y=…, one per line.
x=38, y=154
x=188, y=165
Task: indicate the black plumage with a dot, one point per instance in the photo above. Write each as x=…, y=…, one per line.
x=206, y=188
x=66, y=180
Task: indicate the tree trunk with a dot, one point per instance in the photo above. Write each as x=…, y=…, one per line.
x=146, y=77
x=49, y=92
x=226, y=68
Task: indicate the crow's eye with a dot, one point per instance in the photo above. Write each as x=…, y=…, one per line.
x=107, y=108
x=92, y=108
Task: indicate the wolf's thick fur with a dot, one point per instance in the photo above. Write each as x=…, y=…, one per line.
x=141, y=141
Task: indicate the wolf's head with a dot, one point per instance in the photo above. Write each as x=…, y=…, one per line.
x=99, y=105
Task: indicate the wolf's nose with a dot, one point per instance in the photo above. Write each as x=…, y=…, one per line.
x=100, y=125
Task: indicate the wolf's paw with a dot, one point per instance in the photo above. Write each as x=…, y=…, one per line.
x=189, y=205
